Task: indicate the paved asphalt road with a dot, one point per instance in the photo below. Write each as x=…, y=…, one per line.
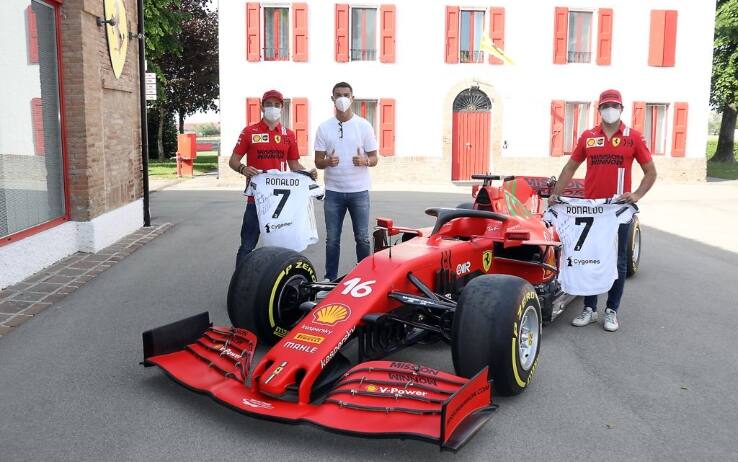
x=662, y=388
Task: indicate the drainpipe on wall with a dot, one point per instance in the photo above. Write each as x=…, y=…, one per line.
x=144, y=124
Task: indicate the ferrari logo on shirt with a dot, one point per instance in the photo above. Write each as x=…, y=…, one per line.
x=599, y=141
x=277, y=139
x=486, y=260
x=616, y=142
x=260, y=138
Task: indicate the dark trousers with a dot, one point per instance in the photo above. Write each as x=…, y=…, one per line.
x=249, y=233
x=616, y=291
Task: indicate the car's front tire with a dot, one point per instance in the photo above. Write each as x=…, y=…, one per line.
x=263, y=296
x=498, y=324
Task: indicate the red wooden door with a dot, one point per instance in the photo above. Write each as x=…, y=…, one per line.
x=470, y=150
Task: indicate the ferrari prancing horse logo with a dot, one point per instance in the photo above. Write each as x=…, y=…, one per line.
x=616, y=142
x=117, y=32
x=486, y=260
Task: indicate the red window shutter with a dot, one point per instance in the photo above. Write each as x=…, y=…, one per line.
x=557, y=128
x=679, y=136
x=604, y=36
x=452, y=34
x=299, y=32
x=37, y=123
x=253, y=110
x=253, y=38
x=670, y=30
x=639, y=116
x=656, y=39
x=497, y=31
x=300, y=123
x=32, y=36
x=342, y=31
x=561, y=28
x=387, y=48
x=387, y=127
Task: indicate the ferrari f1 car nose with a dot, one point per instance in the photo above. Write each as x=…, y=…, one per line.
x=374, y=399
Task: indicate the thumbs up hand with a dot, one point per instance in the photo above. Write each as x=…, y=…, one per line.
x=360, y=160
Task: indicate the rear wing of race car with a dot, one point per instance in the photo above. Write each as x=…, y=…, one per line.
x=544, y=185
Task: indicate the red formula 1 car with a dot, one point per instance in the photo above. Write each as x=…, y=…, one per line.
x=483, y=280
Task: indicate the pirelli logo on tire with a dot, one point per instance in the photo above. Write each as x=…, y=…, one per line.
x=314, y=339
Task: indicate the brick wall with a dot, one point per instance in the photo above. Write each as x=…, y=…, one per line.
x=102, y=113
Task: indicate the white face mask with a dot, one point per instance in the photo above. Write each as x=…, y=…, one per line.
x=610, y=115
x=272, y=114
x=343, y=103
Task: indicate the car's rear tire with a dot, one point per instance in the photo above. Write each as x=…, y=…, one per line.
x=263, y=295
x=494, y=313
x=634, y=247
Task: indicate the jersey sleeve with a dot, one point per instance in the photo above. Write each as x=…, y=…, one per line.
x=243, y=144
x=320, y=142
x=293, y=153
x=580, y=153
x=369, y=141
x=641, y=154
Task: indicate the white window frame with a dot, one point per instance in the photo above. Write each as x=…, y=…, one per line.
x=568, y=149
x=592, y=57
x=377, y=27
x=484, y=11
x=664, y=127
x=375, y=122
x=262, y=20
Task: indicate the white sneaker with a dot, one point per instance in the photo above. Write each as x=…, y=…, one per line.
x=587, y=316
x=611, y=320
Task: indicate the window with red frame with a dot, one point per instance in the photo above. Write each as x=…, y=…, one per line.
x=654, y=128
x=276, y=34
x=363, y=34
x=579, y=43
x=471, y=28
x=575, y=122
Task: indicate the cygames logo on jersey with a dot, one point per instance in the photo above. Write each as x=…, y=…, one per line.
x=576, y=261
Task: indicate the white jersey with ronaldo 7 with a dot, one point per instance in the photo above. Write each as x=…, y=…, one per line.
x=588, y=230
x=284, y=206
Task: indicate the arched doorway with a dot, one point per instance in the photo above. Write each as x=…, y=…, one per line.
x=470, y=145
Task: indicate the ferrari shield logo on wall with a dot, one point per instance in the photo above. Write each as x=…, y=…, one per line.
x=486, y=260
x=616, y=142
x=117, y=32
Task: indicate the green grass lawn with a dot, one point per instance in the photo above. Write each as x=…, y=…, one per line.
x=205, y=162
x=720, y=169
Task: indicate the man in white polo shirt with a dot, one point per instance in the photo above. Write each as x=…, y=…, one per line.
x=345, y=147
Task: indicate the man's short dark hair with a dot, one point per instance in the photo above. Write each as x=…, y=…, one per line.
x=342, y=85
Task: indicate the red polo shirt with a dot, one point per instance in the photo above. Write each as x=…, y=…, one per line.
x=605, y=156
x=267, y=149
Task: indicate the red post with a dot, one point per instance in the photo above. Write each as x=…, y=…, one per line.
x=186, y=154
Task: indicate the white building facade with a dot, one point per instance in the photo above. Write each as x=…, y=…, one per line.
x=443, y=109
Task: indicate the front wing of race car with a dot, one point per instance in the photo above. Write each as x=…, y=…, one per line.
x=373, y=399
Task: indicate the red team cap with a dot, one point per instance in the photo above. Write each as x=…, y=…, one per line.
x=273, y=94
x=611, y=96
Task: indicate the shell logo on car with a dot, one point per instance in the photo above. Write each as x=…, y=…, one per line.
x=332, y=314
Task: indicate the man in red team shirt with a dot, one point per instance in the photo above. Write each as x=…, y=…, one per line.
x=607, y=148
x=267, y=145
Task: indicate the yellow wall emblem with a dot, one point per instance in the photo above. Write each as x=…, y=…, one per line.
x=117, y=32
x=616, y=142
x=487, y=260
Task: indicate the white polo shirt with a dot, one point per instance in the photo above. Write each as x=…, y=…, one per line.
x=357, y=134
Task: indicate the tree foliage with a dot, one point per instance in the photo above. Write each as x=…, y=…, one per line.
x=724, y=84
